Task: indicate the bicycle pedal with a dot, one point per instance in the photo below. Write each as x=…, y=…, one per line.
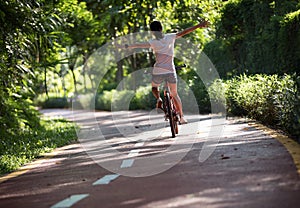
x=166, y=117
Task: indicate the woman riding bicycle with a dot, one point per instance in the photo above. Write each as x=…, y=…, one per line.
x=164, y=69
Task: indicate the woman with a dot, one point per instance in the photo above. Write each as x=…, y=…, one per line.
x=164, y=69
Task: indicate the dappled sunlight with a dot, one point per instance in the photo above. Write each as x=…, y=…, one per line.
x=213, y=198
x=239, y=167
x=240, y=58
x=109, y=143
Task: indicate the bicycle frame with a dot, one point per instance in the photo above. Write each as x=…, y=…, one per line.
x=170, y=110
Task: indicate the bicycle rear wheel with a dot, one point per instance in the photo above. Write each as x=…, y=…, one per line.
x=175, y=123
x=170, y=115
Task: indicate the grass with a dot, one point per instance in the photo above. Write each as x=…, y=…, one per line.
x=26, y=145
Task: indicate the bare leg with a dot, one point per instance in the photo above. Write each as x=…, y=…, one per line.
x=178, y=103
x=156, y=94
x=155, y=90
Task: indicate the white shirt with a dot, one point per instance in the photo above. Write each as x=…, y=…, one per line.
x=164, y=54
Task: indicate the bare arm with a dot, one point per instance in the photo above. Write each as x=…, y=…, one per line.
x=191, y=29
x=136, y=45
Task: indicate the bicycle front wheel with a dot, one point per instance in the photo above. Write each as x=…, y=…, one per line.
x=170, y=115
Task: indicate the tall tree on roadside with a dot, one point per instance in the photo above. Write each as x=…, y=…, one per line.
x=25, y=29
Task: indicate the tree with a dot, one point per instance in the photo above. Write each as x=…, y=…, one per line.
x=259, y=36
x=80, y=33
x=24, y=31
x=118, y=18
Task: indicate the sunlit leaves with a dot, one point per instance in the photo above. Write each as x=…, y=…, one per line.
x=262, y=36
x=24, y=45
x=271, y=99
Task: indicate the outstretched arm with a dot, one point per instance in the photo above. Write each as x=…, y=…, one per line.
x=191, y=29
x=136, y=45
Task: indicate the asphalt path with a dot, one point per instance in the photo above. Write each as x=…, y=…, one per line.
x=127, y=159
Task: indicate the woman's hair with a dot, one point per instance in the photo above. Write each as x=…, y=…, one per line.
x=156, y=27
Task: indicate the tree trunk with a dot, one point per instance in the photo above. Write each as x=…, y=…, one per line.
x=120, y=71
x=120, y=75
x=134, y=67
x=74, y=79
x=45, y=82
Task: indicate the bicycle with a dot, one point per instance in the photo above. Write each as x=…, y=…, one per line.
x=169, y=107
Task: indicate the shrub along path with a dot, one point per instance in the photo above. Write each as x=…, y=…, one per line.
x=248, y=168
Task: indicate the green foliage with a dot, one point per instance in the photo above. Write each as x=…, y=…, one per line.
x=190, y=86
x=259, y=37
x=103, y=100
x=221, y=56
x=26, y=145
x=202, y=97
x=45, y=45
x=216, y=91
x=289, y=41
x=255, y=95
x=61, y=102
x=25, y=30
x=284, y=99
x=271, y=99
x=194, y=98
x=143, y=99
x=116, y=100
x=296, y=114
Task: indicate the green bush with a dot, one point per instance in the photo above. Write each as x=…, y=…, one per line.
x=255, y=96
x=103, y=101
x=143, y=99
x=233, y=106
x=271, y=99
x=217, y=92
x=295, y=121
x=121, y=99
x=188, y=83
x=202, y=97
x=55, y=102
x=285, y=100
x=83, y=101
x=114, y=100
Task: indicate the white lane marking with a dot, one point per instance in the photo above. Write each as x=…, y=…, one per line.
x=106, y=179
x=139, y=144
x=68, y=202
x=127, y=163
x=134, y=153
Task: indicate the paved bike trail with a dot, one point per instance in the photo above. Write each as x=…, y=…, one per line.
x=248, y=168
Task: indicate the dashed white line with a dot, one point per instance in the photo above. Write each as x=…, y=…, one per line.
x=68, y=202
x=139, y=144
x=106, y=179
x=133, y=153
x=127, y=163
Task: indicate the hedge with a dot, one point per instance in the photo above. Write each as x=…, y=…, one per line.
x=271, y=99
